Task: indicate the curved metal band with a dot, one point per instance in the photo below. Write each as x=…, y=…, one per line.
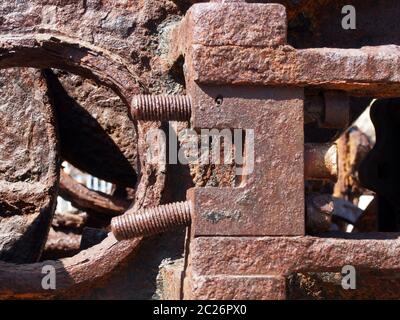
x=78, y=57
x=86, y=268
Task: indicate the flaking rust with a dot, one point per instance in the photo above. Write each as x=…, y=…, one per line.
x=217, y=216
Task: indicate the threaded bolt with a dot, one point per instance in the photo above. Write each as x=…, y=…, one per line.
x=151, y=221
x=161, y=107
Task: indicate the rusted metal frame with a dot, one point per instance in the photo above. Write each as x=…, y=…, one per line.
x=365, y=251
x=239, y=268
x=241, y=210
x=259, y=55
x=217, y=58
x=89, y=266
x=354, y=71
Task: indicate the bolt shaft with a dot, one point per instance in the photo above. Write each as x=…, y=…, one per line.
x=161, y=107
x=152, y=221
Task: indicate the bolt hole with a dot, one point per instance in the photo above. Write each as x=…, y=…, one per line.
x=218, y=100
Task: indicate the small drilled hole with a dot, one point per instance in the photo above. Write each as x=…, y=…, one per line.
x=219, y=100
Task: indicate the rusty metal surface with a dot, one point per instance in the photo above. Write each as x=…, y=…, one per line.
x=24, y=280
x=61, y=244
x=256, y=205
x=38, y=39
x=54, y=51
x=317, y=24
x=225, y=287
x=133, y=30
x=364, y=251
x=285, y=256
x=20, y=281
x=373, y=74
x=327, y=286
x=172, y=280
x=151, y=221
x=265, y=25
x=86, y=270
x=353, y=147
x=28, y=165
x=359, y=71
x=253, y=74
x=262, y=203
x=240, y=73
x=161, y=108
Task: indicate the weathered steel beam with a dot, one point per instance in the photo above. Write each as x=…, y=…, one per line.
x=240, y=266
x=224, y=52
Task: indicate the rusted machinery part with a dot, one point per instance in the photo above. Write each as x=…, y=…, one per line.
x=92, y=120
x=161, y=107
x=312, y=24
x=40, y=50
x=320, y=161
x=72, y=274
x=28, y=165
x=84, y=270
x=353, y=146
x=84, y=199
x=151, y=221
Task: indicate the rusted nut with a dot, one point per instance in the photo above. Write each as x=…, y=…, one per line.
x=337, y=110
x=150, y=221
x=320, y=162
x=161, y=107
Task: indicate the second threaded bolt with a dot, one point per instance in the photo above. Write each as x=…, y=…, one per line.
x=152, y=221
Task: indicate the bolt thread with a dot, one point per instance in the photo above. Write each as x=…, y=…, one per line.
x=151, y=221
x=161, y=107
